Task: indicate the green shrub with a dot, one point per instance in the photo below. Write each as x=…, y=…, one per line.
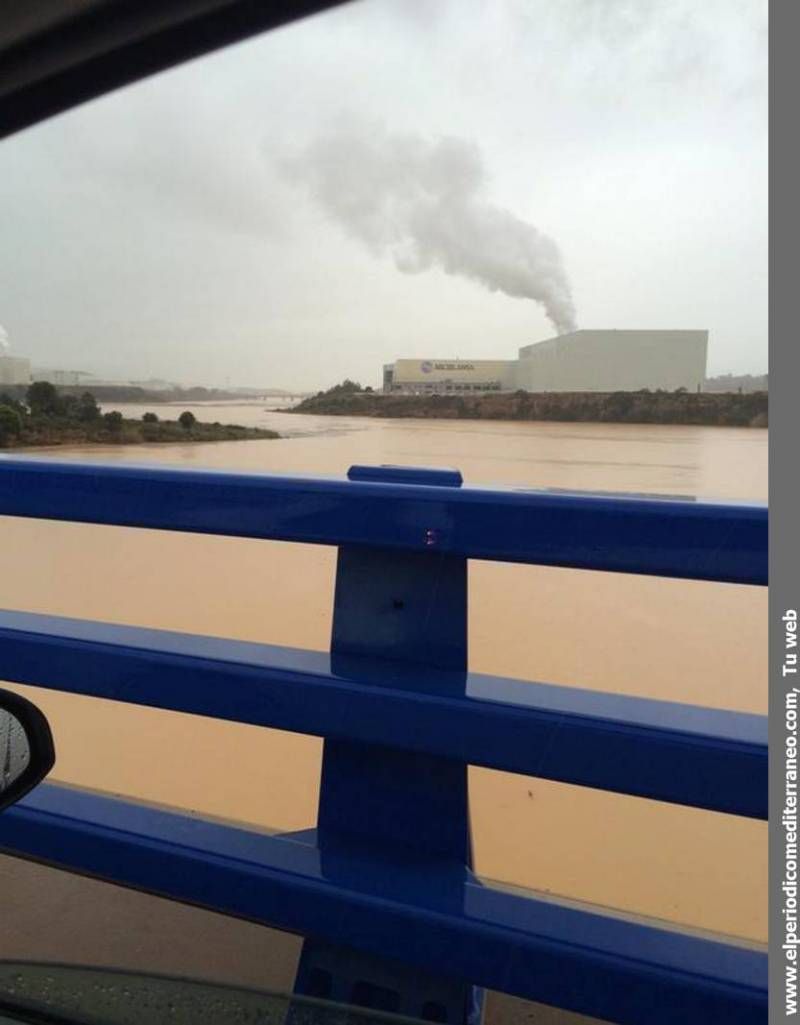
x=113, y=420
x=86, y=409
x=43, y=399
x=10, y=424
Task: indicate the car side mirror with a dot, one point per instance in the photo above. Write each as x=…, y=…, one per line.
x=26, y=747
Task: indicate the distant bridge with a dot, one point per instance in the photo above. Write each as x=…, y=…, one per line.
x=282, y=395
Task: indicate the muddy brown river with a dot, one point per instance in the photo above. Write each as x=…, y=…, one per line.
x=686, y=641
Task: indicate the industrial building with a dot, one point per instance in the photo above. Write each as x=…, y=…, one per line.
x=436, y=376
x=14, y=370
x=587, y=360
x=60, y=378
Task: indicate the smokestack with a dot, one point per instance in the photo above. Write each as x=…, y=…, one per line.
x=424, y=203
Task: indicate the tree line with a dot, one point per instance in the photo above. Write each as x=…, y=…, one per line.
x=47, y=416
x=747, y=409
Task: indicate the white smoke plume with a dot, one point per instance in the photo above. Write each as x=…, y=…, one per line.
x=424, y=202
x=4, y=346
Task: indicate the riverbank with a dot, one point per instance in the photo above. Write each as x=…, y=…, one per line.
x=132, y=432
x=700, y=409
x=50, y=418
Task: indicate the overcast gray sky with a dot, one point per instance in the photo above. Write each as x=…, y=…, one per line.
x=188, y=227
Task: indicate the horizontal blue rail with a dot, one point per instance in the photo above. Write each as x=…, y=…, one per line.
x=703, y=757
x=422, y=912
x=645, y=535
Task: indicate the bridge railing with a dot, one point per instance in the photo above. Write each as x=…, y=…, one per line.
x=382, y=889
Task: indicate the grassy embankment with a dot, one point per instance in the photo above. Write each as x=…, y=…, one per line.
x=48, y=417
x=642, y=407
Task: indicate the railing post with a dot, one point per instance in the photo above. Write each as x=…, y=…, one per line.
x=410, y=608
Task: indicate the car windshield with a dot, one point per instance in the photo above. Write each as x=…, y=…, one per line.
x=90, y=995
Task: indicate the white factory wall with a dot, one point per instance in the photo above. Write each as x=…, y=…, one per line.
x=590, y=360
x=423, y=372
x=14, y=370
x=614, y=361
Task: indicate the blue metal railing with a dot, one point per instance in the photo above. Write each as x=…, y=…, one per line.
x=659, y=537
x=387, y=870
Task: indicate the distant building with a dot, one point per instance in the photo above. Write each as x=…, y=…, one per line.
x=615, y=361
x=439, y=376
x=589, y=360
x=60, y=378
x=14, y=370
x=737, y=383
x=155, y=384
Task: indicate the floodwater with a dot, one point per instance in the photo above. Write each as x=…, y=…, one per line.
x=686, y=641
